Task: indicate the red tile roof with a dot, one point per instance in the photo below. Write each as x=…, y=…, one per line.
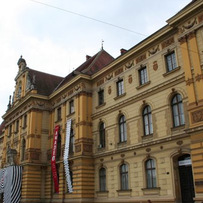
x=44, y=83
x=90, y=66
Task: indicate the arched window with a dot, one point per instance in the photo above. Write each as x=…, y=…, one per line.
x=124, y=176
x=122, y=129
x=147, y=121
x=177, y=110
x=150, y=173
x=102, y=179
x=23, y=150
x=101, y=135
x=72, y=140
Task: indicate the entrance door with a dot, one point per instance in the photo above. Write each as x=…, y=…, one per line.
x=186, y=178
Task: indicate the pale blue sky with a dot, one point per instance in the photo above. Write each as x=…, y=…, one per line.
x=57, y=42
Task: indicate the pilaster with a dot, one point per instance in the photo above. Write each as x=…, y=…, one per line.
x=194, y=84
x=83, y=167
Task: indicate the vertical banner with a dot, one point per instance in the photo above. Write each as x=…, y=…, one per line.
x=65, y=158
x=53, y=159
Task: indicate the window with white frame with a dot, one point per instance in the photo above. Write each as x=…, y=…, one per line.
x=120, y=87
x=122, y=129
x=177, y=110
x=150, y=169
x=102, y=179
x=170, y=60
x=143, y=75
x=147, y=120
x=124, y=177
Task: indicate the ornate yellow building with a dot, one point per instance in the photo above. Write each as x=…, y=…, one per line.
x=137, y=122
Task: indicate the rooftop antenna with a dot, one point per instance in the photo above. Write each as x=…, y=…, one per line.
x=102, y=43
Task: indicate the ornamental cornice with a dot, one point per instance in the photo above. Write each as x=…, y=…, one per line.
x=24, y=103
x=141, y=145
x=22, y=109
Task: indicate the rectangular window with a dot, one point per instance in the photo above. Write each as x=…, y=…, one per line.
x=170, y=61
x=59, y=114
x=124, y=177
x=10, y=131
x=25, y=121
x=71, y=107
x=72, y=142
x=17, y=126
x=143, y=75
x=120, y=87
x=102, y=179
x=150, y=173
x=101, y=97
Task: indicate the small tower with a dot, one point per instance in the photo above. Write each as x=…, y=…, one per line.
x=20, y=79
x=21, y=64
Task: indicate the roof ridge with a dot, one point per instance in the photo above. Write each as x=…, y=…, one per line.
x=44, y=73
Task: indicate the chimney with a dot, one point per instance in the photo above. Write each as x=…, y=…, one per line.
x=88, y=57
x=123, y=51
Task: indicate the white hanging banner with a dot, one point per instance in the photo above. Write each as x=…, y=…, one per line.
x=65, y=158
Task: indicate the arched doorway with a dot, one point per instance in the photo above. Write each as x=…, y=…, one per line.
x=184, y=185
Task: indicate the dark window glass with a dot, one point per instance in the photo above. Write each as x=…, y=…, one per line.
x=124, y=176
x=102, y=179
x=23, y=150
x=59, y=114
x=150, y=173
x=72, y=140
x=17, y=126
x=122, y=129
x=147, y=121
x=120, y=87
x=10, y=131
x=101, y=97
x=102, y=135
x=25, y=121
x=177, y=110
x=170, y=61
x=143, y=75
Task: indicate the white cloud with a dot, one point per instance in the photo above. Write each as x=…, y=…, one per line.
x=55, y=41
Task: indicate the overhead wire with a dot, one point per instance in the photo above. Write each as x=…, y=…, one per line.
x=100, y=21
x=88, y=17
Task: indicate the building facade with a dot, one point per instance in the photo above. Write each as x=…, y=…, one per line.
x=137, y=122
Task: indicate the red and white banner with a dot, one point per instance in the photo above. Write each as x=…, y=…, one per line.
x=65, y=158
x=53, y=159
